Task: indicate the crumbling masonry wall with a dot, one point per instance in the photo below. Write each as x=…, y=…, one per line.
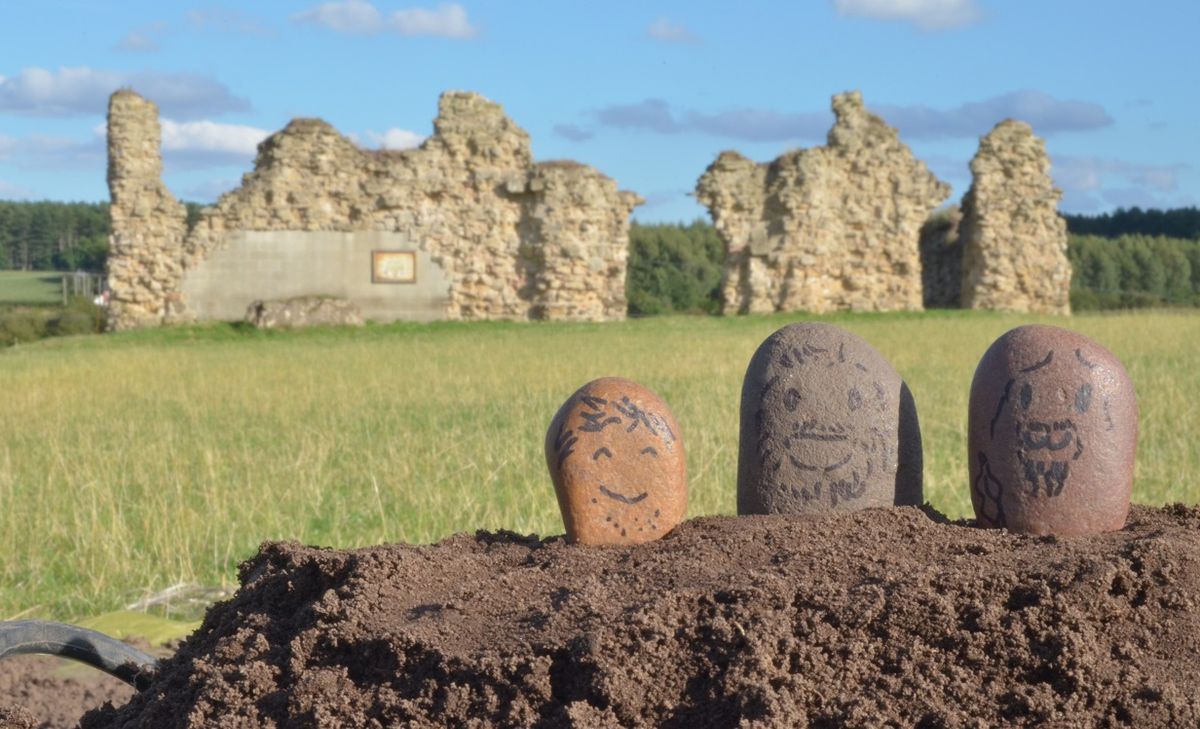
x=515, y=239
x=148, y=223
x=1014, y=242
x=827, y=228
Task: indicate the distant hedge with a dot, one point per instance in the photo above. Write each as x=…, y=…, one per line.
x=1133, y=271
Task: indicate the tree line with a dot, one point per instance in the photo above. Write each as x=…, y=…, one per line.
x=1174, y=223
x=53, y=236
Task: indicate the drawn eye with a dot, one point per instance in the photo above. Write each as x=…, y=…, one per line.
x=791, y=399
x=855, y=399
x=650, y=450
x=1083, y=398
x=601, y=451
x=1026, y=395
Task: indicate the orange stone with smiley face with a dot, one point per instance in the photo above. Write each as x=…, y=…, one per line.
x=615, y=455
x=1051, y=435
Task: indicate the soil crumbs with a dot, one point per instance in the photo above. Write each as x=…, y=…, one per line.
x=891, y=617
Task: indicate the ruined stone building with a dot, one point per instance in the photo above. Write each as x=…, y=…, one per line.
x=1013, y=241
x=826, y=228
x=846, y=226
x=467, y=226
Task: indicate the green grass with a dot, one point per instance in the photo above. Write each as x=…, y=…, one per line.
x=133, y=462
x=30, y=288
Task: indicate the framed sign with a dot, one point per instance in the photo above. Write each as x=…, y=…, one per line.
x=393, y=266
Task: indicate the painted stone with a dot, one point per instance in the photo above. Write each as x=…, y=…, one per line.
x=827, y=424
x=1052, y=434
x=615, y=455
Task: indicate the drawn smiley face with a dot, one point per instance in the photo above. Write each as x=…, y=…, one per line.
x=829, y=432
x=1045, y=404
x=617, y=464
x=825, y=425
x=1052, y=434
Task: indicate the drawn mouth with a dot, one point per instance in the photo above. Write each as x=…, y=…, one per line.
x=1054, y=437
x=812, y=430
x=622, y=497
x=827, y=469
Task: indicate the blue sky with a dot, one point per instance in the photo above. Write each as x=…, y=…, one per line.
x=648, y=92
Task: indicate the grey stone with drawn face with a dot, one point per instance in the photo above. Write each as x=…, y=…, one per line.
x=827, y=424
x=1052, y=434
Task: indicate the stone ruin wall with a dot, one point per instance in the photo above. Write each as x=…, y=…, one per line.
x=148, y=223
x=826, y=228
x=1013, y=241
x=847, y=227
x=516, y=239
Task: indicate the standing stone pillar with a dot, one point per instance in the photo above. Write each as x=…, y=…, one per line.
x=1014, y=241
x=148, y=223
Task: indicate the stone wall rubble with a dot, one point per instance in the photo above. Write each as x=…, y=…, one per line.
x=517, y=239
x=827, y=228
x=1014, y=242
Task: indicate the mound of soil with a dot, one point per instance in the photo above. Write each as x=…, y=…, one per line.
x=877, y=617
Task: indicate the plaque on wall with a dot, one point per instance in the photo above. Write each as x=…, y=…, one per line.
x=393, y=266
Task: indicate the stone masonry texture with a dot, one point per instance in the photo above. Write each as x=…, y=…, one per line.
x=517, y=239
x=826, y=228
x=1014, y=242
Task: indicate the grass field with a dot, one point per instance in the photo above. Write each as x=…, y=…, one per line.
x=30, y=288
x=132, y=462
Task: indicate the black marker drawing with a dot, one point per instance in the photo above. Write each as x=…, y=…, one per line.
x=831, y=459
x=1046, y=446
x=1035, y=367
x=622, y=497
x=990, y=492
x=626, y=416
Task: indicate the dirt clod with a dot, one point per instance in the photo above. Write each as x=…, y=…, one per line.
x=891, y=616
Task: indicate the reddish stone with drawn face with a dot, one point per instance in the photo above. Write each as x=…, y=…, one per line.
x=827, y=425
x=616, y=458
x=1052, y=434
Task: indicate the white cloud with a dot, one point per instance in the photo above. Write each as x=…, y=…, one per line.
x=1093, y=183
x=143, y=39
x=447, y=21
x=754, y=125
x=202, y=144
x=208, y=136
x=360, y=17
x=185, y=145
x=1045, y=113
x=1092, y=173
x=668, y=32
x=344, y=16
x=209, y=190
x=83, y=90
x=228, y=21
x=925, y=14
x=395, y=138
x=46, y=152
x=573, y=132
x=9, y=191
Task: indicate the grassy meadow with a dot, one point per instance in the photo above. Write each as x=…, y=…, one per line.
x=30, y=288
x=133, y=462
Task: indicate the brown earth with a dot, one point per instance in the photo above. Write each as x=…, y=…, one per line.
x=875, y=618
x=50, y=693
